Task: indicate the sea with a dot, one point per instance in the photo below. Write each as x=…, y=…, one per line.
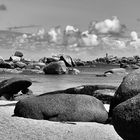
x=47, y=83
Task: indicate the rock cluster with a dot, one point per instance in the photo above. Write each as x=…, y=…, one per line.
x=83, y=103
x=125, y=107
x=62, y=64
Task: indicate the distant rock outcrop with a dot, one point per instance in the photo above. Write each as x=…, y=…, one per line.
x=68, y=60
x=55, y=68
x=18, y=54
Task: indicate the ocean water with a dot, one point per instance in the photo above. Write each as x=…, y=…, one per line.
x=46, y=83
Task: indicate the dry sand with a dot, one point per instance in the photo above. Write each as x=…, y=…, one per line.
x=16, y=128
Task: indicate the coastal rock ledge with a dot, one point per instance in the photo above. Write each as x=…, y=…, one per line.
x=17, y=128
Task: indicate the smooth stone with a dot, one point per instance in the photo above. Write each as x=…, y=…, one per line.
x=18, y=53
x=12, y=86
x=129, y=87
x=126, y=118
x=62, y=107
x=55, y=68
x=102, y=92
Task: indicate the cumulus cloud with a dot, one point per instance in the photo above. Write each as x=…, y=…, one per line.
x=88, y=39
x=112, y=43
x=3, y=7
x=108, y=26
x=134, y=36
x=71, y=29
x=101, y=37
x=55, y=35
x=135, y=40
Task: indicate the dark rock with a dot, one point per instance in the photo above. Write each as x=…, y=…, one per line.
x=104, y=95
x=12, y=86
x=129, y=87
x=80, y=63
x=49, y=60
x=55, y=68
x=25, y=93
x=101, y=75
x=18, y=53
x=133, y=66
x=62, y=107
x=124, y=65
x=116, y=71
x=5, y=65
x=126, y=118
x=67, y=60
x=101, y=92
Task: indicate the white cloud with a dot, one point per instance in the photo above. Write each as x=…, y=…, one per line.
x=134, y=36
x=88, y=39
x=55, y=35
x=71, y=29
x=107, y=26
x=111, y=43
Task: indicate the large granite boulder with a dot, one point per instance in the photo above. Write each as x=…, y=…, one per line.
x=10, y=87
x=62, y=107
x=18, y=128
x=67, y=60
x=55, y=68
x=102, y=92
x=129, y=87
x=126, y=118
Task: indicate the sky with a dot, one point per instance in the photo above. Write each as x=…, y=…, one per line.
x=80, y=13
x=64, y=12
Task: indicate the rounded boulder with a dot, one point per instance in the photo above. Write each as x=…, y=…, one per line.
x=18, y=53
x=62, y=107
x=126, y=118
x=129, y=87
x=55, y=68
x=102, y=92
x=12, y=86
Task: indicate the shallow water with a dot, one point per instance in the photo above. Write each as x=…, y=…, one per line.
x=46, y=83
